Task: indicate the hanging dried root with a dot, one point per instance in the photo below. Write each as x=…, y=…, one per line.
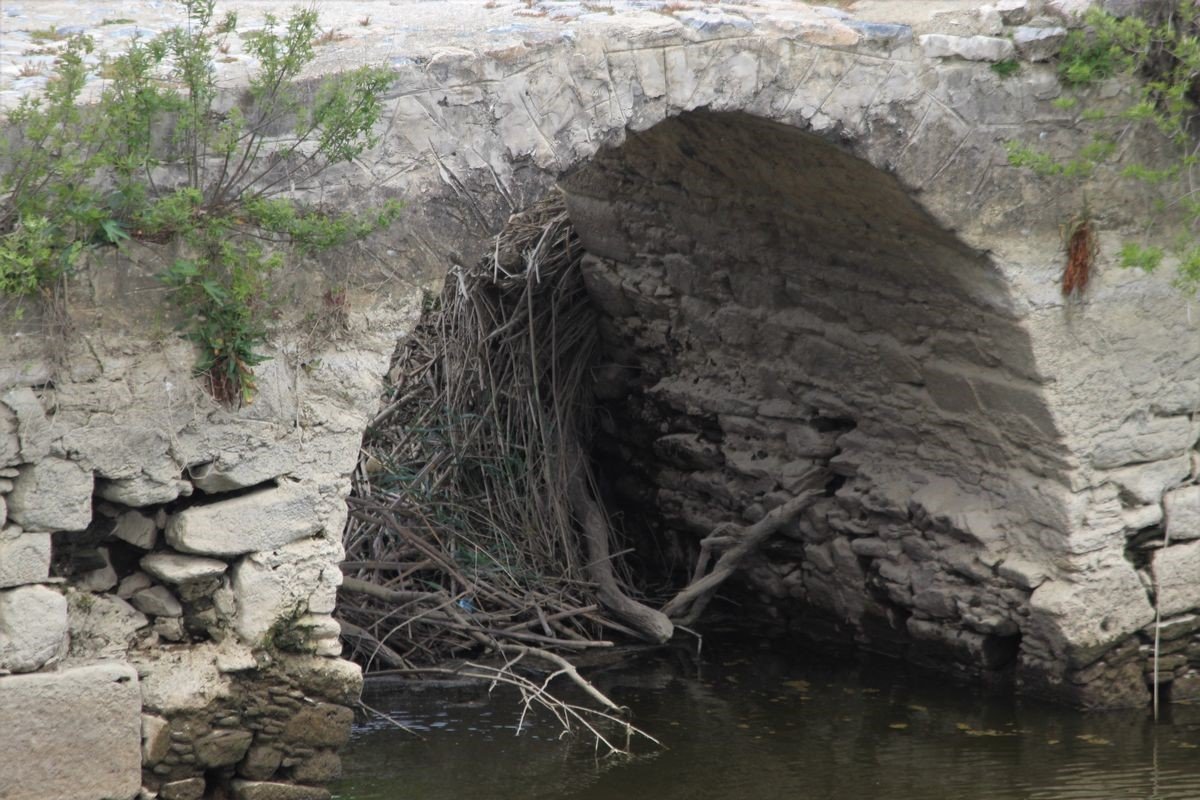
x=1082, y=249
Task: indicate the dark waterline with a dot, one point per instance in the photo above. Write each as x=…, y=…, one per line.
x=754, y=719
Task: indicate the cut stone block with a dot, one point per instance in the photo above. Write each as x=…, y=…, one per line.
x=99, y=580
x=297, y=579
x=1182, y=510
x=52, y=495
x=76, y=734
x=178, y=568
x=137, y=529
x=258, y=521
x=257, y=790
x=33, y=628
x=1039, y=44
x=24, y=557
x=157, y=601
x=1177, y=576
x=971, y=48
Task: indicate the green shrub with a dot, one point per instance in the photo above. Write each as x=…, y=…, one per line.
x=77, y=176
x=1162, y=60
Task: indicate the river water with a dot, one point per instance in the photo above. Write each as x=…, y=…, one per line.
x=761, y=720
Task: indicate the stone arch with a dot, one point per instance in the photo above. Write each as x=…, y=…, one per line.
x=1055, y=469
x=769, y=301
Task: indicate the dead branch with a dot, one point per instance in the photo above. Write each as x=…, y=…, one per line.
x=685, y=608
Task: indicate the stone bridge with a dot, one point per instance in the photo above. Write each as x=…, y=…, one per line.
x=807, y=246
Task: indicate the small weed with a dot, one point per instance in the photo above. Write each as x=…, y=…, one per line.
x=51, y=34
x=117, y=21
x=31, y=70
x=329, y=37
x=365, y=21
x=1006, y=68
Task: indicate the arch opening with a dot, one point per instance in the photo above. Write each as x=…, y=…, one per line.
x=769, y=301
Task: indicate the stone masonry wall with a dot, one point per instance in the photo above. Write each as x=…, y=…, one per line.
x=1008, y=459
x=189, y=549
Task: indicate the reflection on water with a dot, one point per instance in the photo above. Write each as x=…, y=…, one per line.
x=752, y=720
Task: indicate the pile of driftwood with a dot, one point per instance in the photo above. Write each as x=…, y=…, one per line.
x=475, y=526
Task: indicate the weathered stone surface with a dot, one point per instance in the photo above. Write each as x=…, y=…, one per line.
x=256, y=790
x=178, y=568
x=1093, y=613
x=187, y=789
x=1038, y=44
x=33, y=627
x=142, y=491
x=257, y=521
x=156, y=739
x=1181, y=509
x=52, y=495
x=322, y=767
x=32, y=427
x=71, y=735
x=1177, y=576
x=24, y=557
x=241, y=470
x=181, y=679
x=223, y=748
x=137, y=529
x=157, y=601
x=1146, y=483
x=169, y=629
x=102, y=626
x=322, y=725
x=101, y=579
x=288, y=582
x=133, y=583
x=261, y=763
x=971, y=48
x=339, y=681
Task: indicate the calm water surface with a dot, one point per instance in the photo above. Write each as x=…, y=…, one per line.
x=756, y=720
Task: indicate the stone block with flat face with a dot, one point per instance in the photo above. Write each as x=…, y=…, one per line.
x=258, y=521
x=71, y=735
x=33, y=628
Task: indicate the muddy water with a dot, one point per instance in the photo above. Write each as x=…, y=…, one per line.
x=758, y=720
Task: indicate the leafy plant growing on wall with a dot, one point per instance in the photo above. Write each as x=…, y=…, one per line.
x=166, y=156
x=1162, y=60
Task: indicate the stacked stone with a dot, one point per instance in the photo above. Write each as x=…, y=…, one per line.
x=257, y=730
x=216, y=583
x=33, y=615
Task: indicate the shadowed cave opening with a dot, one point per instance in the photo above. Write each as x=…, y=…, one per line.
x=768, y=301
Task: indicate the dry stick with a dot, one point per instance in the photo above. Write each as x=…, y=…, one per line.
x=686, y=607
x=650, y=625
x=386, y=654
x=567, y=668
